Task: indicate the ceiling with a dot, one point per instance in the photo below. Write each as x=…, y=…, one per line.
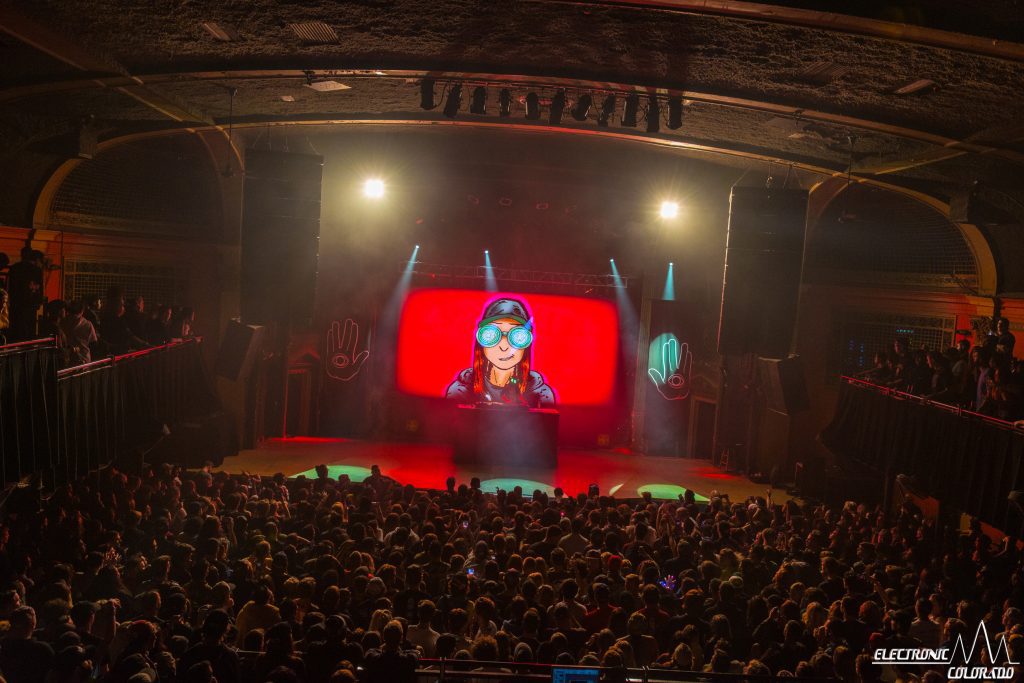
x=795, y=82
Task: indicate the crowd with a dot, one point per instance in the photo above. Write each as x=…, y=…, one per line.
x=200, y=576
x=985, y=378
x=89, y=327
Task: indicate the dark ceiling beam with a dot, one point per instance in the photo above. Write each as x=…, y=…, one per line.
x=1014, y=135
x=876, y=28
x=62, y=49
x=950, y=147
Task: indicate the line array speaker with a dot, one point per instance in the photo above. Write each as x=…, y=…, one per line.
x=280, y=236
x=763, y=262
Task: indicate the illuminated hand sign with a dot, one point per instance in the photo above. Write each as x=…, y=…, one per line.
x=343, y=359
x=672, y=375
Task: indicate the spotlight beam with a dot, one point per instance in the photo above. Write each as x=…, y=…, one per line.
x=490, y=282
x=669, y=292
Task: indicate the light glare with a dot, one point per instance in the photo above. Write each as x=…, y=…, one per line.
x=373, y=188
x=669, y=210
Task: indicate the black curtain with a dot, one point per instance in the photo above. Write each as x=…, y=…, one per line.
x=968, y=463
x=69, y=425
x=92, y=422
x=112, y=411
x=28, y=411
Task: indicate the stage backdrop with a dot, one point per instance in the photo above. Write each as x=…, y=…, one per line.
x=576, y=348
x=575, y=345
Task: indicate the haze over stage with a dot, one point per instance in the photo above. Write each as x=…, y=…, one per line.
x=622, y=473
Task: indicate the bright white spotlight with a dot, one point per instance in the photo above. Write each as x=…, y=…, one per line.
x=373, y=188
x=669, y=210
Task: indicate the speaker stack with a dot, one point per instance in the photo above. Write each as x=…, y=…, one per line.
x=760, y=296
x=763, y=262
x=280, y=245
x=280, y=237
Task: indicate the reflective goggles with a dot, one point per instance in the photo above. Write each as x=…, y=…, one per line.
x=490, y=335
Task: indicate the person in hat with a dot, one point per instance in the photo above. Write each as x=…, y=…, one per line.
x=502, y=355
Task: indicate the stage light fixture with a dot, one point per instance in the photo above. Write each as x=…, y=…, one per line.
x=373, y=188
x=669, y=210
x=557, y=107
x=532, y=106
x=653, y=114
x=582, y=108
x=505, y=102
x=427, y=94
x=630, y=111
x=675, y=112
x=454, y=101
x=607, y=110
x=479, y=103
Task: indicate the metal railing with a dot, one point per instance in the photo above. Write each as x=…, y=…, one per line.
x=439, y=670
x=939, y=405
x=131, y=355
x=17, y=347
x=468, y=669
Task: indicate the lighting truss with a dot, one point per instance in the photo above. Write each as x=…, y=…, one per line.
x=583, y=281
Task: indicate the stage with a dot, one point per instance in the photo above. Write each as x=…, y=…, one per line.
x=619, y=472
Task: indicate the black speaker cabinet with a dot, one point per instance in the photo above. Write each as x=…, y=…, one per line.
x=763, y=262
x=238, y=350
x=280, y=236
x=784, y=387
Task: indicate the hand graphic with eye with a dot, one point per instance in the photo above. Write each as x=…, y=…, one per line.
x=342, y=361
x=673, y=380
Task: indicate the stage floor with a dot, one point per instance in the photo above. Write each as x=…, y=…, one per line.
x=621, y=473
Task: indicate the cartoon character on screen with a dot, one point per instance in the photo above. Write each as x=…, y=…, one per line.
x=502, y=353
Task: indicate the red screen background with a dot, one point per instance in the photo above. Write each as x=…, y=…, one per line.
x=575, y=348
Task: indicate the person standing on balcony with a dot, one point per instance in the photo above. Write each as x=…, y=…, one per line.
x=25, y=286
x=79, y=333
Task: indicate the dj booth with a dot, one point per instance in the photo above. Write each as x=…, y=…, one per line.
x=515, y=436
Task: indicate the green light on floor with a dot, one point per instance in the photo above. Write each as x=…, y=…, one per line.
x=492, y=486
x=334, y=471
x=667, y=492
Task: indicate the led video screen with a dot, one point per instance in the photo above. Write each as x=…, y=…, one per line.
x=541, y=349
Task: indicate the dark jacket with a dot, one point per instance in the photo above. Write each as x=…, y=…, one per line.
x=537, y=395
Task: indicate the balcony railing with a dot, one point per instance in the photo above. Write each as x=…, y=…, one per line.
x=62, y=423
x=970, y=462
